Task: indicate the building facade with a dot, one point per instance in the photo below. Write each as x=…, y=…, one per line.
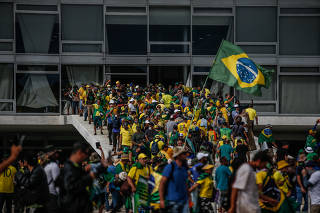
x=48, y=45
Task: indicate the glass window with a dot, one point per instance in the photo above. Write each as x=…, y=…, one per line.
x=267, y=94
x=256, y=24
x=299, y=94
x=37, y=33
x=92, y=48
x=300, y=69
x=214, y=86
x=208, y=32
x=82, y=22
x=300, y=10
x=265, y=107
x=126, y=10
x=201, y=69
x=169, y=48
x=76, y=75
x=170, y=25
x=6, y=107
x=205, y=10
x=6, y=46
x=128, y=79
x=6, y=21
x=37, y=93
x=198, y=81
x=259, y=49
x=300, y=35
x=6, y=81
x=37, y=7
x=126, y=34
x=168, y=75
x=52, y=68
x=127, y=69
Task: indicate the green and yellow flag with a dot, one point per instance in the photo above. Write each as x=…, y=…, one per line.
x=233, y=67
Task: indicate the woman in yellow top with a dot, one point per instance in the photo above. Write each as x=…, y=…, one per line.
x=205, y=182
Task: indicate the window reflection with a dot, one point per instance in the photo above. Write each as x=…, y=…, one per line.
x=37, y=93
x=37, y=33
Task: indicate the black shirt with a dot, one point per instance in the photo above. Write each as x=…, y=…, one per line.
x=242, y=152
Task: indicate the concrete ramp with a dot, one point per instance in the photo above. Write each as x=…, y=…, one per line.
x=87, y=133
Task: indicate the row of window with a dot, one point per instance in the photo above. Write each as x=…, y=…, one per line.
x=36, y=89
x=170, y=29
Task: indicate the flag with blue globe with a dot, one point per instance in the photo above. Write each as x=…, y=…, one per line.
x=233, y=67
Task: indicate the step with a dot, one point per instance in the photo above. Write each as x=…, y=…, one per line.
x=87, y=132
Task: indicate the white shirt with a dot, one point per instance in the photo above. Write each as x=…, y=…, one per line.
x=131, y=107
x=247, y=198
x=52, y=171
x=315, y=189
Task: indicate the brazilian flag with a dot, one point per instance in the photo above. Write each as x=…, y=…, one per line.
x=233, y=67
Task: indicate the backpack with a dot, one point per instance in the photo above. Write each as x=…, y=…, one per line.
x=270, y=188
x=155, y=148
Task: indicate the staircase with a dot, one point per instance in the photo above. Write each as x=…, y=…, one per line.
x=87, y=132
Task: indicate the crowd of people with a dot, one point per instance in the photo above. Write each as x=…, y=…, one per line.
x=176, y=149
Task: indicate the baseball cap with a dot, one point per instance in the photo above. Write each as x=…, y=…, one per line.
x=141, y=156
x=308, y=149
x=201, y=155
x=208, y=166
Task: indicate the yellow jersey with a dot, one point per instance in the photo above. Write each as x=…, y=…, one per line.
x=126, y=137
x=252, y=113
x=206, y=187
x=183, y=128
x=6, y=180
x=80, y=91
x=135, y=173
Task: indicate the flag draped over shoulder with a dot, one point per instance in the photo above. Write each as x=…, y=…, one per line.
x=233, y=67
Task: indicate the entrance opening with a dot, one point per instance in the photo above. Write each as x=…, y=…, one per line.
x=169, y=75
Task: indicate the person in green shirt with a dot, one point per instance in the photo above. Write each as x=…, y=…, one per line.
x=311, y=140
x=225, y=131
x=173, y=137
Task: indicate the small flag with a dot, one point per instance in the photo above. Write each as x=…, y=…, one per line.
x=233, y=67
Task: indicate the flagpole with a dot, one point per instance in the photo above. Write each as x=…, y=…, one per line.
x=195, y=110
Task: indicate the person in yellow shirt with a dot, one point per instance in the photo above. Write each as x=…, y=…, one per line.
x=97, y=117
x=82, y=95
x=205, y=182
x=7, y=187
x=224, y=111
x=126, y=136
x=252, y=114
x=281, y=178
x=183, y=127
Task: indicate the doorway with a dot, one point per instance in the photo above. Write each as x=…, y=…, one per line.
x=169, y=75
